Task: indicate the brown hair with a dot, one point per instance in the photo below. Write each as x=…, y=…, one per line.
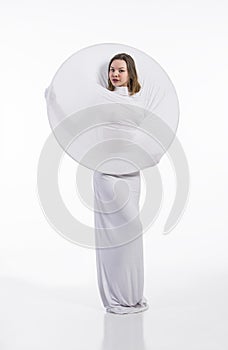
x=133, y=84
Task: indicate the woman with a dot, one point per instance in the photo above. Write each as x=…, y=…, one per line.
x=120, y=268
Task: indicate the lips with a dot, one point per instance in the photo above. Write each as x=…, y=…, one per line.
x=115, y=80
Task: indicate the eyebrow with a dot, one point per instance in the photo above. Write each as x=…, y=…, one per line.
x=119, y=68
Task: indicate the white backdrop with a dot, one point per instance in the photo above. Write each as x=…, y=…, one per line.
x=189, y=40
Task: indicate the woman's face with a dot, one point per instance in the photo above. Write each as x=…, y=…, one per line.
x=118, y=73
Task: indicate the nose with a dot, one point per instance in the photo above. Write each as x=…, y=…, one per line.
x=115, y=74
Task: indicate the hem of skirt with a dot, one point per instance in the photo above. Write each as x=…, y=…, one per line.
x=120, y=309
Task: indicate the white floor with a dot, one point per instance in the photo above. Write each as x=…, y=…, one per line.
x=192, y=315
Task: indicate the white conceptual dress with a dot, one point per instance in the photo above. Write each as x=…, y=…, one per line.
x=120, y=268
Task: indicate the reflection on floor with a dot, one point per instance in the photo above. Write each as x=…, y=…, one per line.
x=42, y=318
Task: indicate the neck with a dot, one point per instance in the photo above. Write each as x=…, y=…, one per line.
x=122, y=90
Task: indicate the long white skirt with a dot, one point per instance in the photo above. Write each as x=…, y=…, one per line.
x=119, y=243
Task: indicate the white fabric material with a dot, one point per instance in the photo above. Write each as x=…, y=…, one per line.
x=78, y=102
x=120, y=269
